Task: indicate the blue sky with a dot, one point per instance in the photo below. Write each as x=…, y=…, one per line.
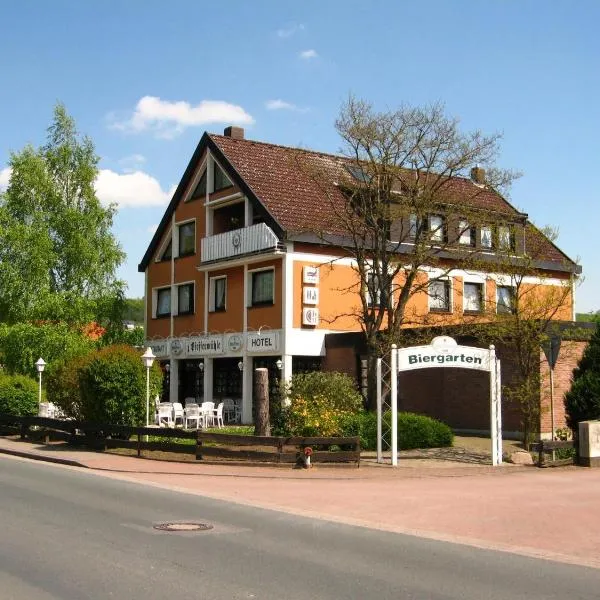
x=146, y=78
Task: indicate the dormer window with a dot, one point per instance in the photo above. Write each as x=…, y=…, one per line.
x=221, y=181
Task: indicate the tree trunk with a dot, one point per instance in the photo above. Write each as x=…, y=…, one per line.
x=261, y=400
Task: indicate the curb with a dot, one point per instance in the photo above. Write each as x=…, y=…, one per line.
x=42, y=458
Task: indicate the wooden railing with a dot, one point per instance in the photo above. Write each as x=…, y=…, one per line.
x=548, y=449
x=207, y=443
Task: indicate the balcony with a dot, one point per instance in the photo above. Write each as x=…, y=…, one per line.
x=239, y=242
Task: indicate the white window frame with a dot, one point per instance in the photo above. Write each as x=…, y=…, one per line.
x=506, y=237
x=211, y=186
x=486, y=228
x=155, y=292
x=513, y=289
x=249, y=287
x=465, y=230
x=177, y=286
x=446, y=281
x=211, y=293
x=438, y=233
x=482, y=299
x=178, y=224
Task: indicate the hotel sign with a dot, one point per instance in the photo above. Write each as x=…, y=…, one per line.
x=207, y=345
x=443, y=352
x=160, y=348
x=266, y=342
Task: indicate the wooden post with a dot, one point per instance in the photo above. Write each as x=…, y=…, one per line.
x=261, y=398
x=139, y=440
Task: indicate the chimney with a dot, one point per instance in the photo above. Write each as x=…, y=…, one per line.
x=237, y=133
x=478, y=175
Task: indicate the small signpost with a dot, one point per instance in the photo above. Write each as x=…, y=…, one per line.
x=551, y=348
x=442, y=352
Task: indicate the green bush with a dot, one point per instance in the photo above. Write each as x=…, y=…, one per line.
x=414, y=431
x=18, y=395
x=582, y=401
x=62, y=385
x=22, y=344
x=112, y=385
x=317, y=403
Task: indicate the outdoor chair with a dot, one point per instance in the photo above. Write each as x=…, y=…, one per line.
x=208, y=414
x=231, y=411
x=192, y=414
x=165, y=414
x=218, y=415
x=178, y=413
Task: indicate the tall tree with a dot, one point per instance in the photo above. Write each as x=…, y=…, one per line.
x=408, y=201
x=58, y=257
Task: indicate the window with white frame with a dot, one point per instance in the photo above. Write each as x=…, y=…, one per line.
x=187, y=238
x=506, y=237
x=486, y=237
x=217, y=290
x=439, y=295
x=373, y=291
x=505, y=299
x=437, y=228
x=473, y=297
x=220, y=179
x=167, y=253
x=163, y=302
x=185, y=299
x=262, y=287
x=466, y=233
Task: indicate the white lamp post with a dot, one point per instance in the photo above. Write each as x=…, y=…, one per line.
x=148, y=359
x=40, y=365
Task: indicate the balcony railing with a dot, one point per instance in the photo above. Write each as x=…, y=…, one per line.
x=231, y=244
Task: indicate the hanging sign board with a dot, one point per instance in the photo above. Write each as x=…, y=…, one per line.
x=443, y=352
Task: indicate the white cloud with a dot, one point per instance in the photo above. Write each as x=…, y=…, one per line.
x=283, y=105
x=137, y=189
x=289, y=31
x=168, y=119
x=308, y=54
x=4, y=178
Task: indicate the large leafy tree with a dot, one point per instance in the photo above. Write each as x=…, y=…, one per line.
x=58, y=256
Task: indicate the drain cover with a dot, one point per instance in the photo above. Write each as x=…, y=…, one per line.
x=183, y=526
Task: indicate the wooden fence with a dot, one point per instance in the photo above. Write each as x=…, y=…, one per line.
x=207, y=444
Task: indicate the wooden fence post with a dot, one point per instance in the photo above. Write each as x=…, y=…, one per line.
x=261, y=397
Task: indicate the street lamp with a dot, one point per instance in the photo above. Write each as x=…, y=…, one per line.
x=40, y=365
x=241, y=365
x=148, y=359
x=279, y=364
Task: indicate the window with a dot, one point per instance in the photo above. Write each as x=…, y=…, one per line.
x=467, y=234
x=373, y=291
x=200, y=191
x=486, y=237
x=218, y=294
x=437, y=228
x=358, y=173
x=187, y=238
x=473, y=297
x=262, y=287
x=221, y=181
x=185, y=299
x=414, y=223
x=439, y=295
x=505, y=299
x=163, y=302
x=168, y=252
x=506, y=237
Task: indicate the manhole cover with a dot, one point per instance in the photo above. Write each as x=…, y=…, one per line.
x=186, y=526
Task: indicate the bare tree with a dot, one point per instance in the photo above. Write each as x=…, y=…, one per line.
x=402, y=208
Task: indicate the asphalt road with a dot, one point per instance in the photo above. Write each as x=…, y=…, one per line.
x=68, y=534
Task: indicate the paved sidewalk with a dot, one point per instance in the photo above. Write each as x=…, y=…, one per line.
x=549, y=513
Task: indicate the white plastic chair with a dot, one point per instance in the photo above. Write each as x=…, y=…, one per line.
x=178, y=413
x=218, y=415
x=192, y=413
x=208, y=414
x=229, y=410
x=165, y=414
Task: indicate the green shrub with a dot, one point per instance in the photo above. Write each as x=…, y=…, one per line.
x=112, y=384
x=414, y=431
x=317, y=404
x=62, y=385
x=18, y=395
x=582, y=401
